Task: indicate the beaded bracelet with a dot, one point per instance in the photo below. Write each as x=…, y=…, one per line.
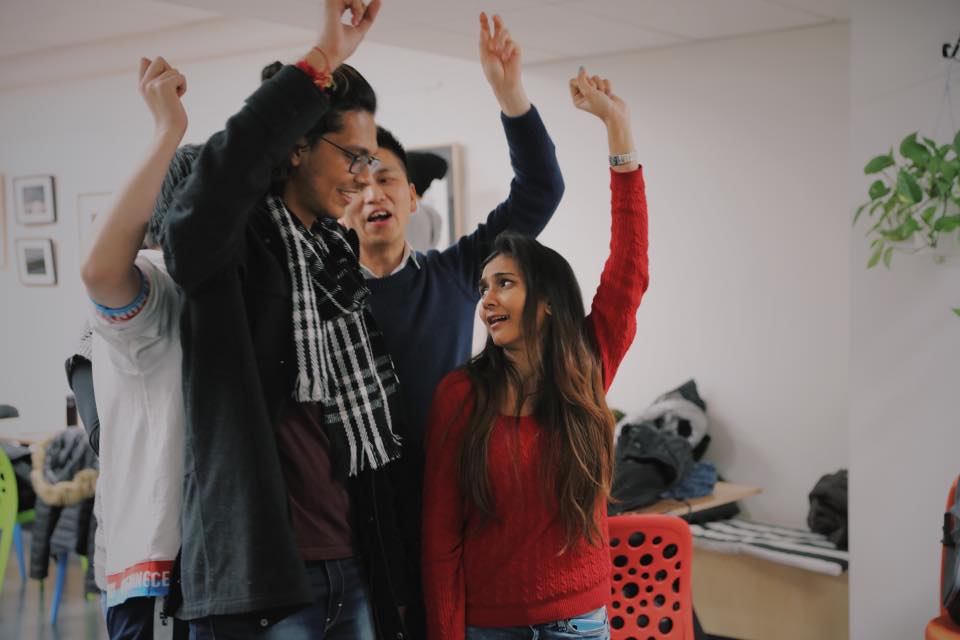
x=323, y=79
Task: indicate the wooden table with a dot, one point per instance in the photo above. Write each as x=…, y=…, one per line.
x=723, y=493
x=739, y=596
x=743, y=597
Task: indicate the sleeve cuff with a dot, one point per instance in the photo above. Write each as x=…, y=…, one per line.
x=627, y=178
x=123, y=314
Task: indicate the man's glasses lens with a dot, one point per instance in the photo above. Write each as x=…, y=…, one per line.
x=359, y=163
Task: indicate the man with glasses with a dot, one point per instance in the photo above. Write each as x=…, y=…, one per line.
x=288, y=523
x=425, y=302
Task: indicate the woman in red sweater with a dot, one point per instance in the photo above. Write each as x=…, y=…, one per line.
x=520, y=440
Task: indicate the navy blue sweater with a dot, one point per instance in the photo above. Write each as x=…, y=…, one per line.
x=426, y=313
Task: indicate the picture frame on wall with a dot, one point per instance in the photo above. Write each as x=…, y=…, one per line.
x=36, y=263
x=445, y=195
x=89, y=207
x=35, y=200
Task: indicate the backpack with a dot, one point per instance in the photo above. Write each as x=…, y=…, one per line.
x=950, y=569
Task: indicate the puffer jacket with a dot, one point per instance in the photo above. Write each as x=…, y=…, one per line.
x=64, y=478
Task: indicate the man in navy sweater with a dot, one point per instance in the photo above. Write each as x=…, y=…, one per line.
x=424, y=303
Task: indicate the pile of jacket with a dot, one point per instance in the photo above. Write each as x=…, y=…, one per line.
x=64, y=477
x=658, y=452
x=828, y=508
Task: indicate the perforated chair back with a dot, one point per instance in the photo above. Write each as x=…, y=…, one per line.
x=943, y=627
x=650, y=596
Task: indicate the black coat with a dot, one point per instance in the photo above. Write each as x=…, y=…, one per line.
x=239, y=555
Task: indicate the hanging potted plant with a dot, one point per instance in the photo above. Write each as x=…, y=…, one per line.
x=914, y=201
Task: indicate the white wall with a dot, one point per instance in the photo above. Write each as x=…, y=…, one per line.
x=744, y=145
x=905, y=342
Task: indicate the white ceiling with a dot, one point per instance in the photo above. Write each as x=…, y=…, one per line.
x=547, y=29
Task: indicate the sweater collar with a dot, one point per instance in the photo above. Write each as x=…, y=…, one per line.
x=409, y=255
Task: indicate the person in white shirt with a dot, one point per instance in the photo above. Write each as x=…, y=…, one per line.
x=135, y=314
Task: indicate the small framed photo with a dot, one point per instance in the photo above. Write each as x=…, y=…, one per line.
x=437, y=174
x=36, y=262
x=89, y=207
x=35, y=200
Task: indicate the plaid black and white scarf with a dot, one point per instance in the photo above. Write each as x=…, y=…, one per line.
x=342, y=360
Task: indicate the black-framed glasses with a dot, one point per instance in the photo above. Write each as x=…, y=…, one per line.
x=358, y=161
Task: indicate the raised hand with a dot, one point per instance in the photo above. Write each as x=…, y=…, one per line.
x=161, y=87
x=338, y=41
x=595, y=95
x=500, y=58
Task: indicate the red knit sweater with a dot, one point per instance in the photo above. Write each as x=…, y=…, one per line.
x=508, y=572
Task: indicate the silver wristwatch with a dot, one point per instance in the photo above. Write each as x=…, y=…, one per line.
x=623, y=158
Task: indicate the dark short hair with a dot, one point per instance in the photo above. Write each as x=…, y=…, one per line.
x=179, y=170
x=386, y=140
x=350, y=92
x=425, y=167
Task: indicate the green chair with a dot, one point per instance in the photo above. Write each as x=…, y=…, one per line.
x=8, y=511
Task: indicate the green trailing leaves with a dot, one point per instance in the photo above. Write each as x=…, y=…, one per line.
x=946, y=224
x=887, y=256
x=903, y=232
x=856, y=216
x=914, y=151
x=916, y=203
x=908, y=189
x=879, y=163
x=878, y=189
x=949, y=171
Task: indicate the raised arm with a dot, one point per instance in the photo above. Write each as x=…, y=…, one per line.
x=537, y=185
x=500, y=58
x=108, y=271
x=204, y=229
x=613, y=314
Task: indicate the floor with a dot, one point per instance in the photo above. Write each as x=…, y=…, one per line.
x=25, y=607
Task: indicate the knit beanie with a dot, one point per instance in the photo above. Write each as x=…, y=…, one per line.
x=180, y=167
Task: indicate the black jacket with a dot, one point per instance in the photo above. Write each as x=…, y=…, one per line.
x=239, y=553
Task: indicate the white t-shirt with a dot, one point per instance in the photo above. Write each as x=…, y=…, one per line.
x=137, y=378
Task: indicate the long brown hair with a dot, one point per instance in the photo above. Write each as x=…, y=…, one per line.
x=569, y=401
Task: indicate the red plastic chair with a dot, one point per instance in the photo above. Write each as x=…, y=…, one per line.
x=650, y=597
x=943, y=627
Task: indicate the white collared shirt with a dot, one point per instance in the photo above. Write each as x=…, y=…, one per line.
x=408, y=255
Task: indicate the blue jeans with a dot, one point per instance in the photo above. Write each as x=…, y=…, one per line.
x=340, y=611
x=592, y=625
x=138, y=619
